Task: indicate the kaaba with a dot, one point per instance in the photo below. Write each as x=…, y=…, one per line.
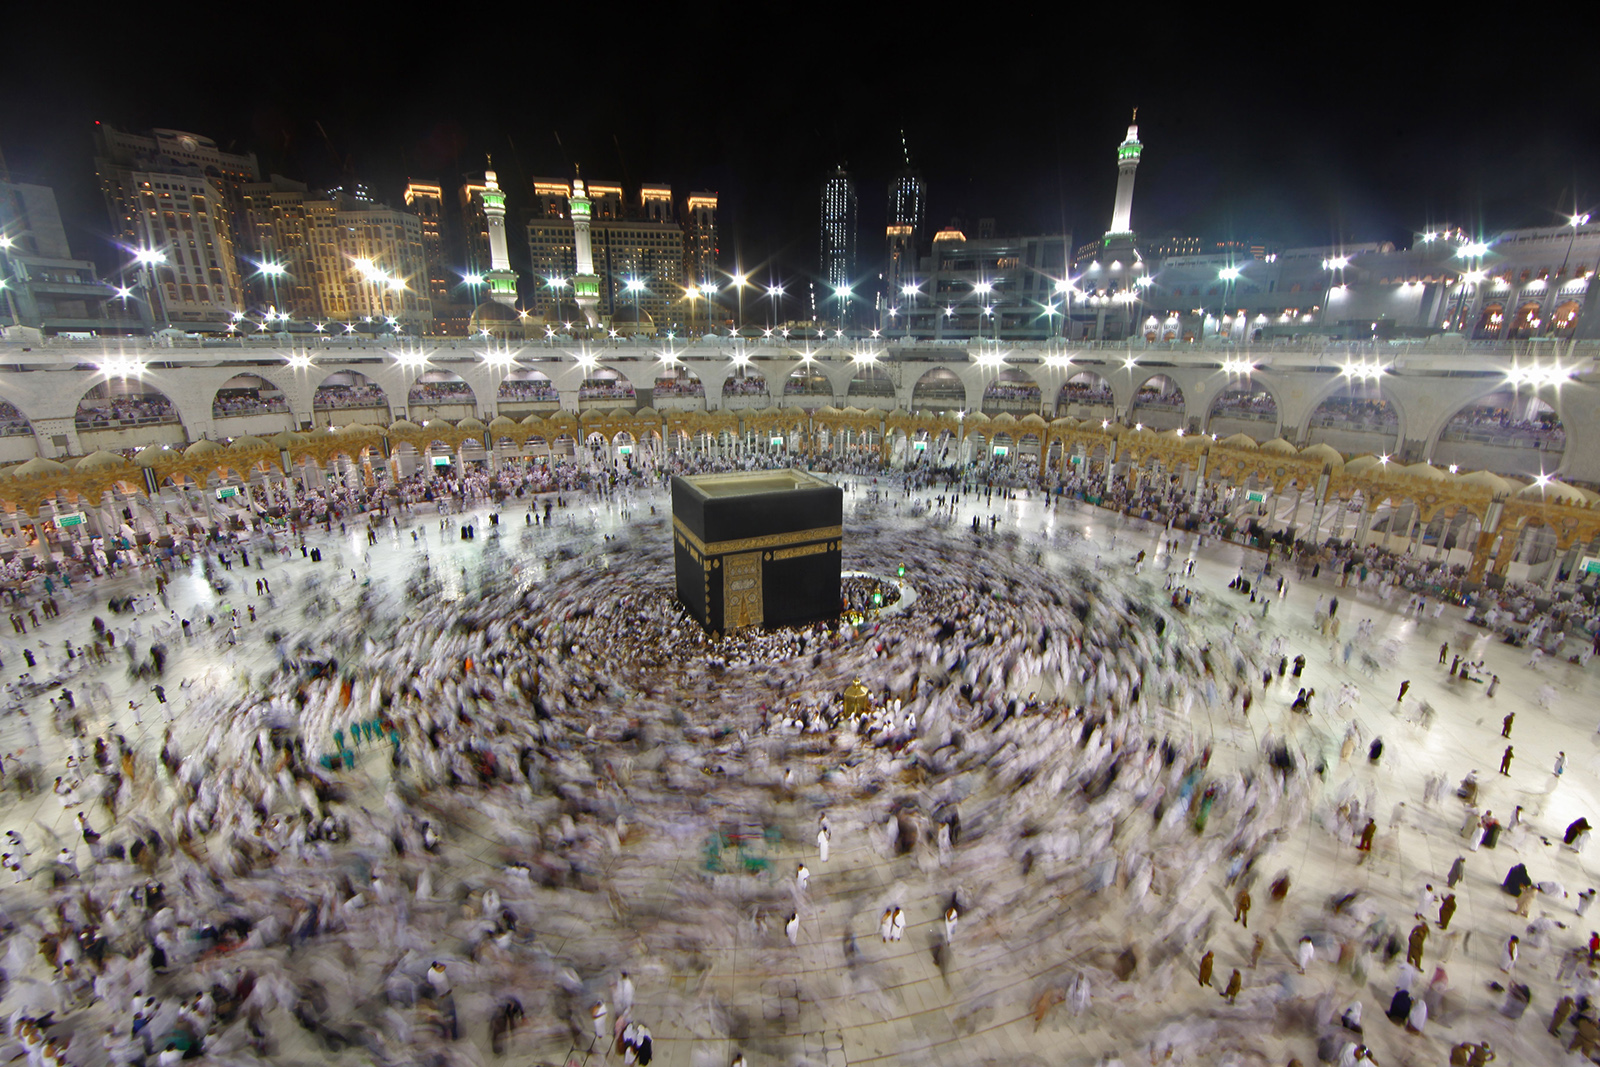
x=757, y=548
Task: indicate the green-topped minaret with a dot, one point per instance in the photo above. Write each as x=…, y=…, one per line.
x=585, y=285
x=500, y=278
x=1128, y=153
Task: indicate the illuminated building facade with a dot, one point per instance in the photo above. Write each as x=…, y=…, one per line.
x=838, y=238
x=638, y=255
x=425, y=200
x=908, y=207
x=700, y=239
x=176, y=194
x=1001, y=288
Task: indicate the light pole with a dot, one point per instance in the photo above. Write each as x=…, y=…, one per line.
x=273, y=271
x=910, y=291
x=5, y=281
x=397, y=286
x=635, y=286
x=1336, y=264
x=148, y=258
x=1229, y=275
x=473, y=282
x=740, y=280
x=842, y=294
x=1066, y=289
x=691, y=293
x=983, y=290
x=1473, y=252
x=556, y=284
x=708, y=291
x=775, y=293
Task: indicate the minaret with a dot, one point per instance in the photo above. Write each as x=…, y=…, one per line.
x=585, y=286
x=500, y=278
x=1127, y=162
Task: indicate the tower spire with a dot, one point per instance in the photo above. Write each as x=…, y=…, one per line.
x=585, y=284
x=1128, y=153
x=501, y=279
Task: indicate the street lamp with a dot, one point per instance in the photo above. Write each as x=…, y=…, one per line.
x=1066, y=289
x=273, y=272
x=691, y=293
x=635, y=286
x=910, y=291
x=775, y=292
x=1473, y=252
x=148, y=258
x=473, y=282
x=5, y=282
x=740, y=280
x=1229, y=275
x=555, y=284
x=842, y=294
x=983, y=290
x=708, y=291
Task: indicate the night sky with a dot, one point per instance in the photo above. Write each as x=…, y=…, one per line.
x=1367, y=134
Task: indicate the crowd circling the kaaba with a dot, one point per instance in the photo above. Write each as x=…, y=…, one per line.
x=518, y=802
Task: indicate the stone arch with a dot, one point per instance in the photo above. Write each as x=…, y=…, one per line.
x=526, y=386
x=1245, y=405
x=1564, y=319
x=123, y=403
x=1085, y=395
x=1451, y=527
x=248, y=394
x=434, y=389
x=744, y=381
x=1012, y=390
x=606, y=385
x=1158, y=403
x=1527, y=320
x=808, y=380
x=1506, y=431
x=13, y=423
x=343, y=390
x=1536, y=542
x=676, y=381
x=1355, y=415
x=939, y=389
x=870, y=381
x=1491, y=322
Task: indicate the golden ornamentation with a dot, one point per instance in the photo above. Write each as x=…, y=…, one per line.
x=745, y=544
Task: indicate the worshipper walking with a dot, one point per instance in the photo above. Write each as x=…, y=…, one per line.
x=1509, y=954
x=1414, y=947
x=1206, y=963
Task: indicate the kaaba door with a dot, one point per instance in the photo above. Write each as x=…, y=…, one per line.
x=741, y=591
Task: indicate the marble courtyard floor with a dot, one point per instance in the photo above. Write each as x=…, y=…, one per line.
x=714, y=970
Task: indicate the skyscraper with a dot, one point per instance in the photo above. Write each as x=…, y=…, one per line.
x=179, y=196
x=638, y=257
x=343, y=259
x=908, y=197
x=838, y=259
x=426, y=201
x=474, y=228
x=700, y=249
x=908, y=207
